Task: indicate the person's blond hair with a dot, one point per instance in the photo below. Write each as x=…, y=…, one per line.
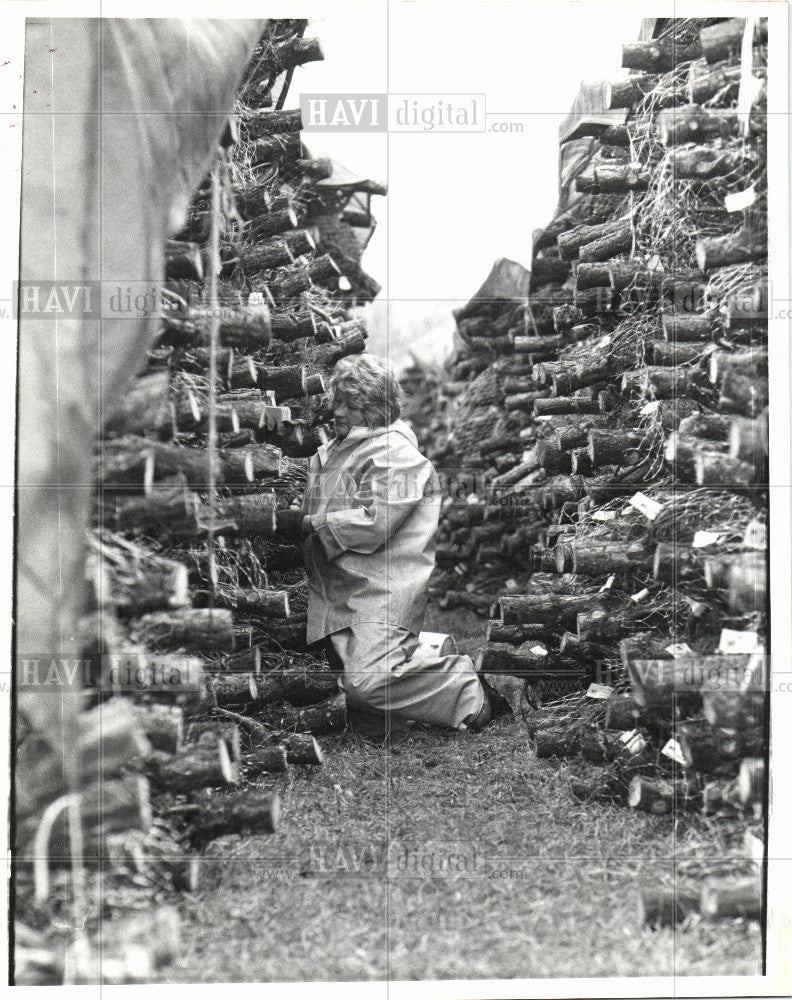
x=366, y=382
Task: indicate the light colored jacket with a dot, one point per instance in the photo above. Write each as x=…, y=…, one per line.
x=374, y=504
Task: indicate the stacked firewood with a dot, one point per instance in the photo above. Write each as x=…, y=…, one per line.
x=613, y=425
x=203, y=693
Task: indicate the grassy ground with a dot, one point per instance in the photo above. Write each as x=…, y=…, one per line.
x=519, y=878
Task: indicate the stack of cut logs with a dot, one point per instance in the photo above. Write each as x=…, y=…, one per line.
x=203, y=682
x=614, y=425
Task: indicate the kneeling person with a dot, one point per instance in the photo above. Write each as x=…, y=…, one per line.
x=370, y=518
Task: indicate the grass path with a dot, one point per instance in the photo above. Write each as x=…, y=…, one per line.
x=544, y=885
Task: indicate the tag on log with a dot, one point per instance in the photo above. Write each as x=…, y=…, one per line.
x=639, y=596
x=733, y=641
x=604, y=515
x=673, y=751
x=704, y=538
x=650, y=408
x=608, y=584
x=740, y=200
x=599, y=691
x=648, y=507
x=677, y=649
x=633, y=741
x=538, y=650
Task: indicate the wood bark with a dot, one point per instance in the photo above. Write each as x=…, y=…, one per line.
x=515, y=635
x=248, y=812
x=163, y=725
x=619, y=178
x=200, y=765
x=715, y=469
x=675, y=564
x=606, y=557
x=665, y=906
x=735, y=709
x=711, y=426
x=721, y=796
x=742, y=899
x=207, y=732
x=706, y=83
x=200, y=630
x=571, y=241
x=270, y=759
x=609, y=447
x=322, y=271
x=296, y=52
x=266, y=122
x=657, y=56
x=682, y=452
x=627, y=92
x=663, y=353
x=724, y=39
x=620, y=712
x=549, y=270
x=144, y=409
x=616, y=241
x=751, y=364
x=691, y=327
x=691, y=123
x=560, y=609
x=233, y=690
x=564, y=405
x=747, y=244
x=594, y=300
x=183, y=261
x=277, y=252
x=704, y=163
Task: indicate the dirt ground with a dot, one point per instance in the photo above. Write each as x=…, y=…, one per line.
x=451, y=856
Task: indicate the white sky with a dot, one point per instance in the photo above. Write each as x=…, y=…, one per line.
x=458, y=201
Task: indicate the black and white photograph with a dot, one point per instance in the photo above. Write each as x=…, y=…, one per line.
x=397, y=507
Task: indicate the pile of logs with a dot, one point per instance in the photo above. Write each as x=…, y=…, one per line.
x=609, y=411
x=202, y=696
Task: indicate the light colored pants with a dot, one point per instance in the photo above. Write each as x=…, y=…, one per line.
x=385, y=668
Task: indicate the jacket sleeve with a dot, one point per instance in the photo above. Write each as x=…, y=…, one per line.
x=308, y=498
x=392, y=484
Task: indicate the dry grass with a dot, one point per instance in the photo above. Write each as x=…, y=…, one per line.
x=553, y=892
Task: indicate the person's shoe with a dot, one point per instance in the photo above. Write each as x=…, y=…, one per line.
x=499, y=705
x=482, y=717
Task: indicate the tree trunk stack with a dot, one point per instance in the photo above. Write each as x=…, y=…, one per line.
x=200, y=692
x=607, y=419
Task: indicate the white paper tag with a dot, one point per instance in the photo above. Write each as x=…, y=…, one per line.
x=648, y=507
x=639, y=596
x=599, y=691
x=679, y=649
x=538, y=650
x=608, y=583
x=733, y=641
x=673, y=751
x=605, y=341
x=704, y=538
x=650, y=408
x=604, y=515
x=633, y=741
x=739, y=200
x=511, y=584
